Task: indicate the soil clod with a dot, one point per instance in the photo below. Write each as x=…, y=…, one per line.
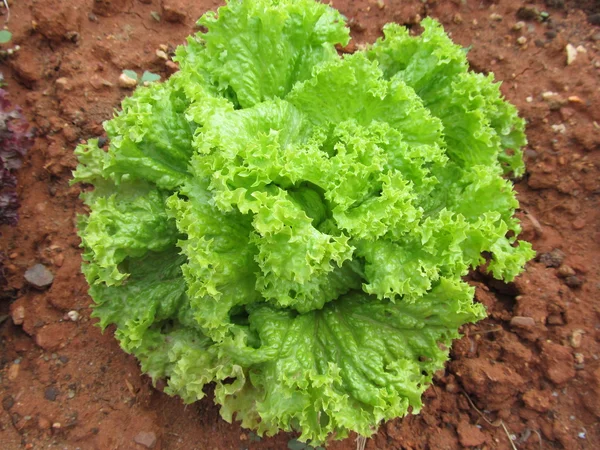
x=557, y=362
x=553, y=258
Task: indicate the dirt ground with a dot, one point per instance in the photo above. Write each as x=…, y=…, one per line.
x=529, y=373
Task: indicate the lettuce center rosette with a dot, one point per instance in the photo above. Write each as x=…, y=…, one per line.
x=292, y=225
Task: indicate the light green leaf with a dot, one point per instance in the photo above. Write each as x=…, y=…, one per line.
x=150, y=139
x=125, y=224
x=220, y=271
x=5, y=36
x=480, y=128
x=350, y=365
x=131, y=74
x=256, y=51
x=149, y=77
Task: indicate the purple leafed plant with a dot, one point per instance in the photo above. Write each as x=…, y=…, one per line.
x=15, y=140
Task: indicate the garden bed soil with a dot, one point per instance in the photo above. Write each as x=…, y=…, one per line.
x=530, y=372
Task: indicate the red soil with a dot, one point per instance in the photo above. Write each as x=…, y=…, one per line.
x=529, y=372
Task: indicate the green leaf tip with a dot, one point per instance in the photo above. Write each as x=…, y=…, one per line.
x=5, y=36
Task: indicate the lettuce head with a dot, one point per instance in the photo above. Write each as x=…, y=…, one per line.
x=293, y=225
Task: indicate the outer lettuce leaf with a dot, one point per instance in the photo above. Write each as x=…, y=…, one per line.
x=350, y=365
x=154, y=292
x=346, y=367
x=476, y=119
x=150, y=138
x=121, y=226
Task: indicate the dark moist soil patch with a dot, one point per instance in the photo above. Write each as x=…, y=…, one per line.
x=530, y=372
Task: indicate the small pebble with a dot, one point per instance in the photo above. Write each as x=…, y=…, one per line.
x=8, y=402
x=127, y=82
x=527, y=13
x=171, y=66
x=548, y=95
x=518, y=26
x=573, y=281
x=18, y=315
x=161, y=55
x=565, y=271
x=573, y=51
x=495, y=17
x=451, y=388
x=60, y=258
x=522, y=40
x=576, y=338
x=594, y=19
x=99, y=83
x=39, y=276
x=523, y=322
x=13, y=372
x=51, y=393
x=73, y=315
x=145, y=438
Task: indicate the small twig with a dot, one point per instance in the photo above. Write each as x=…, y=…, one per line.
x=7, y=11
x=508, y=435
x=361, y=442
x=496, y=424
x=539, y=437
x=493, y=330
x=537, y=227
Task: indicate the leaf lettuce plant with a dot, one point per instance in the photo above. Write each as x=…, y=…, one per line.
x=292, y=225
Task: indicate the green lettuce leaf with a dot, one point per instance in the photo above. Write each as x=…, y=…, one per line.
x=123, y=225
x=293, y=225
x=150, y=138
x=346, y=367
x=476, y=119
